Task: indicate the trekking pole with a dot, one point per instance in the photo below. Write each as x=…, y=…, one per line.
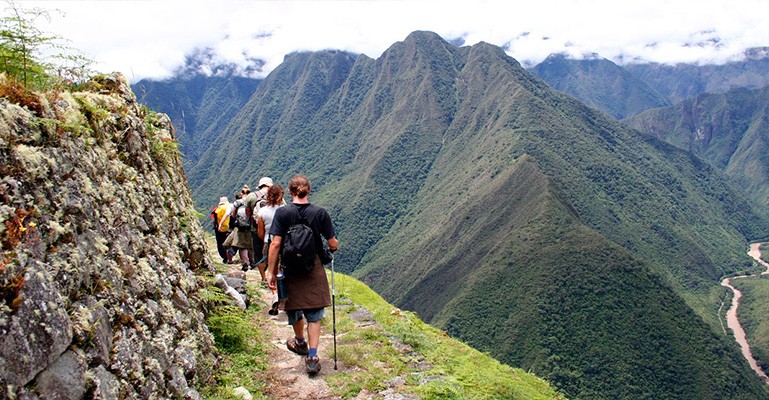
x=333, y=307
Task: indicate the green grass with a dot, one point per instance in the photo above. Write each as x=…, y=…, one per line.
x=433, y=365
x=240, y=340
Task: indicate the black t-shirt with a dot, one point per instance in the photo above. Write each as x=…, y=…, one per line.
x=317, y=217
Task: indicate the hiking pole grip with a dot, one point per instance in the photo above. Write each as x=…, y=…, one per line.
x=333, y=307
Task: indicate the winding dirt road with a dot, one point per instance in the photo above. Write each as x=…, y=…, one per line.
x=731, y=316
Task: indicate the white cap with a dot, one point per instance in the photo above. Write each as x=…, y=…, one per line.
x=265, y=181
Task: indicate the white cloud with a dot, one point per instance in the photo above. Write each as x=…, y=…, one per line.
x=150, y=38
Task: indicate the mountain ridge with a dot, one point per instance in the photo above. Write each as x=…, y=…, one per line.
x=427, y=129
x=601, y=84
x=729, y=130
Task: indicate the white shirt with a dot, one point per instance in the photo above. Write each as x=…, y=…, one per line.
x=267, y=213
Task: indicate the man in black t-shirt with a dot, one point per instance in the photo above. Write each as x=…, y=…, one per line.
x=308, y=294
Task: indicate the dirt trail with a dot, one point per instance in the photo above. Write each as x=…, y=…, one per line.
x=731, y=316
x=286, y=376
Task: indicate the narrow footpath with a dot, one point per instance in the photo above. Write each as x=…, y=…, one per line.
x=731, y=316
x=286, y=376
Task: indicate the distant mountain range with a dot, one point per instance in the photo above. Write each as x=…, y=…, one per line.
x=730, y=130
x=601, y=84
x=513, y=216
x=719, y=112
x=623, y=91
x=682, y=81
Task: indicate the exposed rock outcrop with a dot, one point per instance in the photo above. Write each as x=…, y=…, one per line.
x=100, y=245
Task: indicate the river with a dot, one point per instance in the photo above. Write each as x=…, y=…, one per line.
x=731, y=315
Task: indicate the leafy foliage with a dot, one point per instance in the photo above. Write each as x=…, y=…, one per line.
x=239, y=337
x=22, y=48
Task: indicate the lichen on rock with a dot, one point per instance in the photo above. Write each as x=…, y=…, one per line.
x=100, y=248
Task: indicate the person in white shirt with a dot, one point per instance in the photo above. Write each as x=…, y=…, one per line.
x=265, y=214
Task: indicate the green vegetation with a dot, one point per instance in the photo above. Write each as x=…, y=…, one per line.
x=163, y=147
x=242, y=351
x=239, y=337
x=21, y=48
x=728, y=130
x=435, y=366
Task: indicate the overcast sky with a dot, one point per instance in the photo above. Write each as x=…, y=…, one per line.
x=150, y=38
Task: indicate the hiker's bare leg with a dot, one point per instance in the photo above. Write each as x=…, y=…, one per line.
x=243, y=257
x=299, y=329
x=251, y=256
x=313, y=334
x=262, y=267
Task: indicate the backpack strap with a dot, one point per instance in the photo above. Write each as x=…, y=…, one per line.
x=298, y=215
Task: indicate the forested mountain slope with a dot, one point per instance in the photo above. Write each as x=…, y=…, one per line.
x=730, y=130
x=509, y=214
x=601, y=84
x=200, y=106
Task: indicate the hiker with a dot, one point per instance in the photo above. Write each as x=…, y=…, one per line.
x=308, y=293
x=221, y=222
x=253, y=202
x=273, y=201
x=240, y=238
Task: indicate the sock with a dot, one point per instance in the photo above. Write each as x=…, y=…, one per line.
x=299, y=340
x=313, y=352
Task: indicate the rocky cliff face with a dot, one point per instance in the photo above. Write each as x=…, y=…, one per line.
x=100, y=245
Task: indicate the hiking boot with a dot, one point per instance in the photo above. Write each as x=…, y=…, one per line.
x=312, y=364
x=299, y=348
x=244, y=267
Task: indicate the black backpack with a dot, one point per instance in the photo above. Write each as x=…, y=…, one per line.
x=298, y=246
